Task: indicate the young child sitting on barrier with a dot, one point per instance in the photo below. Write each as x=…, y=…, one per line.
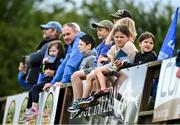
x=86, y=46
x=123, y=49
x=145, y=55
x=49, y=66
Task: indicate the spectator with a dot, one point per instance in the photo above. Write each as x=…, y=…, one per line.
x=122, y=50
x=86, y=46
x=51, y=31
x=127, y=22
x=49, y=65
x=121, y=14
x=22, y=73
x=71, y=35
x=104, y=27
x=145, y=55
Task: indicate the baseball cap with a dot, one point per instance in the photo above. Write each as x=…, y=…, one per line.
x=104, y=23
x=52, y=24
x=121, y=14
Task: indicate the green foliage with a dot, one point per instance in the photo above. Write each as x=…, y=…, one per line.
x=20, y=32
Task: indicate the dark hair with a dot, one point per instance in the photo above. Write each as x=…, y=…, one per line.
x=146, y=35
x=59, y=46
x=88, y=40
x=122, y=28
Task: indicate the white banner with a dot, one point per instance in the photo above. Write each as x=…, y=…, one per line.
x=127, y=109
x=16, y=107
x=167, y=104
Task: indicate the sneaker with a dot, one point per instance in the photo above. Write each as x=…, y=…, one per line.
x=94, y=102
x=31, y=113
x=92, y=93
x=84, y=103
x=101, y=93
x=74, y=107
x=23, y=119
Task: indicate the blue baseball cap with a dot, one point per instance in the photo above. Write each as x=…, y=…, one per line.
x=52, y=24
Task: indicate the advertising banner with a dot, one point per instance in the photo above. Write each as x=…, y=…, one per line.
x=16, y=107
x=167, y=104
x=125, y=109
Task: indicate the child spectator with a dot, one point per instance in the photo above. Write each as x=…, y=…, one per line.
x=145, y=55
x=49, y=67
x=123, y=48
x=127, y=22
x=85, y=46
x=22, y=73
x=104, y=27
x=119, y=14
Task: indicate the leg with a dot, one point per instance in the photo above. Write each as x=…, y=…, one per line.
x=100, y=72
x=120, y=78
x=118, y=82
x=29, y=103
x=35, y=94
x=90, y=77
x=76, y=80
x=96, y=85
x=178, y=73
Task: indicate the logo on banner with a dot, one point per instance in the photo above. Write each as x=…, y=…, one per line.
x=11, y=113
x=48, y=108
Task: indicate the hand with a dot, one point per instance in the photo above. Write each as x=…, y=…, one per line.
x=47, y=86
x=58, y=84
x=178, y=73
x=49, y=73
x=118, y=63
x=45, y=60
x=22, y=67
x=102, y=59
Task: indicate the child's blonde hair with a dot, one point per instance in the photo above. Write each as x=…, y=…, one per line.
x=130, y=24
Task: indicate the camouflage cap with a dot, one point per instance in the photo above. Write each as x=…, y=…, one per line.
x=121, y=14
x=104, y=23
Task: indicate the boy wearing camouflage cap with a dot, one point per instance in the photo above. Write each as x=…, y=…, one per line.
x=121, y=14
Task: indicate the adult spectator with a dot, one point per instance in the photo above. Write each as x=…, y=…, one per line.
x=71, y=34
x=51, y=31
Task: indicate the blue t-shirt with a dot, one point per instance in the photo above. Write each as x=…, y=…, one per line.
x=102, y=49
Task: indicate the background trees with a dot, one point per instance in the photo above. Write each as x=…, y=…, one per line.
x=20, y=31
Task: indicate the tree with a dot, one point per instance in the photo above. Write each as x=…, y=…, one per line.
x=20, y=32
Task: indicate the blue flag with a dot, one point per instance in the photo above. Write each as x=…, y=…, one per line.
x=167, y=48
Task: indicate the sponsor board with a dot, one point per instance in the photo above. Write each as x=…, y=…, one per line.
x=13, y=108
x=131, y=89
x=16, y=107
x=113, y=111
x=167, y=104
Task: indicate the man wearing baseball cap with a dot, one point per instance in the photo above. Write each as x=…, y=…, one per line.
x=52, y=24
x=51, y=31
